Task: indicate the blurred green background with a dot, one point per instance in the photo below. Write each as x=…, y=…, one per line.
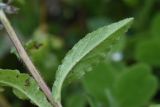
x=49, y=28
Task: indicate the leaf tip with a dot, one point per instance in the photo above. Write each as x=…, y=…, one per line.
x=131, y=19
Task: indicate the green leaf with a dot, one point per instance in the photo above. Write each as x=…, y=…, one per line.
x=103, y=75
x=89, y=51
x=148, y=52
x=19, y=94
x=24, y=84
x=135, y=87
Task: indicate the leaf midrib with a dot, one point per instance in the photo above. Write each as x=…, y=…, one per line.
x=95, y=46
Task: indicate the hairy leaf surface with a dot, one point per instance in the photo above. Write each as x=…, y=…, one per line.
x=24, y=86
x=88, y=52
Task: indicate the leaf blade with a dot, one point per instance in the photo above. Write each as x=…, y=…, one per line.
x=135, y=87
x=94, y=45
x=25, y=84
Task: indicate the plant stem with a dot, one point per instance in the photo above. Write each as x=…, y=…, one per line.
x=25, y=58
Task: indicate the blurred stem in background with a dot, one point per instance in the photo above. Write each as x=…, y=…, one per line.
x=144, y=14
x=43, y=16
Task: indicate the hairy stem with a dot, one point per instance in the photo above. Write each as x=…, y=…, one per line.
x=25, y=58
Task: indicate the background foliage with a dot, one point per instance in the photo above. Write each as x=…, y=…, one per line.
x=129, y=77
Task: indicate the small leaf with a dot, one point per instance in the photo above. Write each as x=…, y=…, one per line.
x=103, y=75
x=88, y=52
x=135, y=87
x=40, y=50
x=24, y=84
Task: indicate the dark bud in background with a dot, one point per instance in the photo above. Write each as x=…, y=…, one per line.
x=53, y=8
x=11, y=9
